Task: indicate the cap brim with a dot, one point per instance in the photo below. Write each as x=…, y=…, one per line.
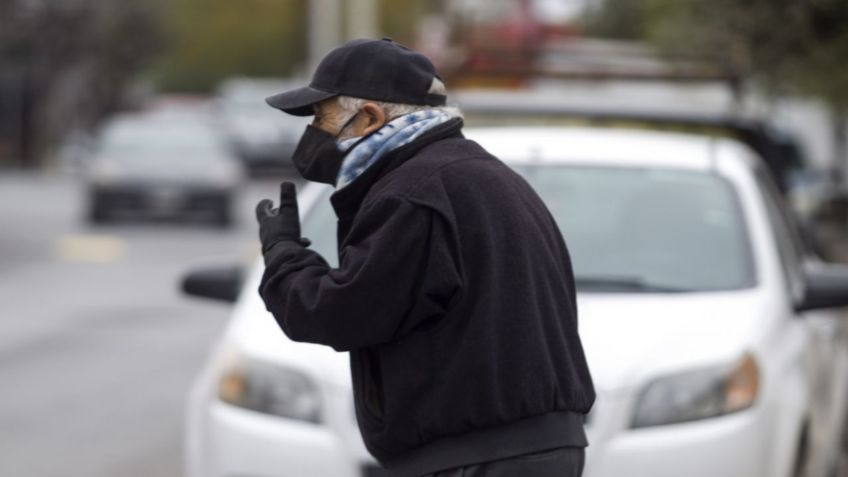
x=298, y=102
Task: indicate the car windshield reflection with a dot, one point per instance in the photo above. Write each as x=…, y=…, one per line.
x=647, y=229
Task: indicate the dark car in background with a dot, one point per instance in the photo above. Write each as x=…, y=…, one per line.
x=160, y=165
x=263, y=138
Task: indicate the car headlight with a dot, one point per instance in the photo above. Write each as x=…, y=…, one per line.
x=699, y=394
x=270, y=389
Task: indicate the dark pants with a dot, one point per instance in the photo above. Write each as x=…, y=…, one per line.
x=562, y=462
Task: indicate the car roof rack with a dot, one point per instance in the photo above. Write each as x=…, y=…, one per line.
x=778, y=150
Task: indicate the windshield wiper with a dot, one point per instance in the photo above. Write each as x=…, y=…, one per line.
x=624, y=283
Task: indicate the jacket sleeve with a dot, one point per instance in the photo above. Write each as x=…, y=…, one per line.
x=397, y=270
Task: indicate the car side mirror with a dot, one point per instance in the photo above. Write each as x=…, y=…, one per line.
x=827, y=287
x=217, y=283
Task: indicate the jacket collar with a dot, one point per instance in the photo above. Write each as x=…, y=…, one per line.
x=346, y=201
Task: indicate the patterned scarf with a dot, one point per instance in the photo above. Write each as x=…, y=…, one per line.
x=400, y=131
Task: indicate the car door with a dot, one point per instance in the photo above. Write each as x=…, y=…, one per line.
x=825, y=356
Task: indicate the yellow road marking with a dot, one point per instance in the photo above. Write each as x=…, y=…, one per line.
x=90, y=248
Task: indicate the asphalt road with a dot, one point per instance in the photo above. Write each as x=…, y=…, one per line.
x=97, y=345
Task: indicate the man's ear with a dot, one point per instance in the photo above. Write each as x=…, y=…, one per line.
x=375, y=118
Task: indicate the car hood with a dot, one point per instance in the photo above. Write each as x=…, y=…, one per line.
x=256, y=334
x=629, y=338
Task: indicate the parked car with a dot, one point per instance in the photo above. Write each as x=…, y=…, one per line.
x=709, y=329
x=261, y=136
x=163, y=166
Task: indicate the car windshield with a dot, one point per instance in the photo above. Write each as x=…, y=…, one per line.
x=628, y=230
x=649, y=230
x=319, y=226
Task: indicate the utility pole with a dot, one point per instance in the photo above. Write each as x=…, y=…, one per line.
x=324, y=29
x=362, y=19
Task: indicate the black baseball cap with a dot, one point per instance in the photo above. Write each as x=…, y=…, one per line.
x=380, y=70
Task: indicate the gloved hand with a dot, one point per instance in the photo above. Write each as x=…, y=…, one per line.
x=279, y=224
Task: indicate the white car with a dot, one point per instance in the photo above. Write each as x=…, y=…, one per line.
x=709, y=332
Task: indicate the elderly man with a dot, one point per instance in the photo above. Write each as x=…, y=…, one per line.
x=454, y=292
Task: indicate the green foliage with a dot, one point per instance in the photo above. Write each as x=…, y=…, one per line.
x=823, y=70
x=617, y=19
x=780, y=44
x=398, y=19
x=215, y=39
x=751, y=38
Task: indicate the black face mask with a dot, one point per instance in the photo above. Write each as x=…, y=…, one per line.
x=317, y=156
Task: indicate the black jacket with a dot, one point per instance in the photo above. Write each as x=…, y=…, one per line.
x=455, y=297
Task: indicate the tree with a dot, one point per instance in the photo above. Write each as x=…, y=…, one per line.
x=214, y=39
x=399, y=20
x=616, y=19
x=64, y=64
x=782, y=46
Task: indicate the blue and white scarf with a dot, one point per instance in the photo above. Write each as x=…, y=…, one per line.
x=400, y=131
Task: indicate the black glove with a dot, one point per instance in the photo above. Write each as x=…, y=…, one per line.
x=280, y=224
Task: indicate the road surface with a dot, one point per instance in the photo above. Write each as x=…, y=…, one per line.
x=97, y=345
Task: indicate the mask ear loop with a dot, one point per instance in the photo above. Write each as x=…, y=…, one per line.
x=363, y=138
x=347, y=124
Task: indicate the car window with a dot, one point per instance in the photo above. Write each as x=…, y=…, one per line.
x=648, y=229
x=319, y=226
x=784, y=230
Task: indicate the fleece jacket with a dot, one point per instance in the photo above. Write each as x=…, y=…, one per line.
x=455, y=297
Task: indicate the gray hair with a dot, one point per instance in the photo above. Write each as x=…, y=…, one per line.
x=350, y=105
